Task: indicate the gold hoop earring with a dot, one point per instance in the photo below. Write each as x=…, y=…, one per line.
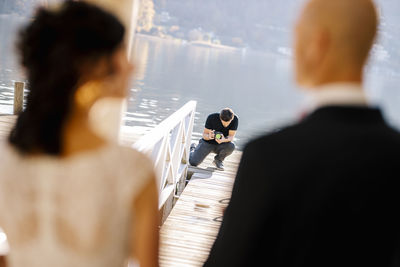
x=87, y=94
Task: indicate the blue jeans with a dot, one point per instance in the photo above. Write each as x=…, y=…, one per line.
x=204, y=148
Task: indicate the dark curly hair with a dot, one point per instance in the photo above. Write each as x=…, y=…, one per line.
x=53, y=49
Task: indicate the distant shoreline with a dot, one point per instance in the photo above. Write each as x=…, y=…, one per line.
x=148, y=36
x=193, y=43
x=218, y=46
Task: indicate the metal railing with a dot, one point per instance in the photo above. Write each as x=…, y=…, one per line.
x=168, y=145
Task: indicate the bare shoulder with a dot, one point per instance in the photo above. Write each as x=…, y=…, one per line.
x=136, y=158
x=135, y=171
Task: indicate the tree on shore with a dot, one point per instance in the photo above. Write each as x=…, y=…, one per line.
x=146, y=16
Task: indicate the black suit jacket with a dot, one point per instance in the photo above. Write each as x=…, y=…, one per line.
x=324, y=192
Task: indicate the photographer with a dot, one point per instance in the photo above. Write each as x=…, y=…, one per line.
x=219, y=132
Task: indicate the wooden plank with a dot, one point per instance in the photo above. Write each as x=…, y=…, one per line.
x=6, y=123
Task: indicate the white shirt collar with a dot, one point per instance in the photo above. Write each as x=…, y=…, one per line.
x=337, y=94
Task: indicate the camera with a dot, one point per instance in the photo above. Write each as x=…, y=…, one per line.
x=218, y=135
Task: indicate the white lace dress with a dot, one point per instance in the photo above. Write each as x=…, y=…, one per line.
x=70, y=212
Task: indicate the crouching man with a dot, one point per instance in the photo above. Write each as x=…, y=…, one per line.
x=219, y=131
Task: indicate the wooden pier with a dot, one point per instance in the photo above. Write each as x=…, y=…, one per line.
x=189, y=231
x=6, y=122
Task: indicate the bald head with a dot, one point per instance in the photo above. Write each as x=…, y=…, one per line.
x=333, y=40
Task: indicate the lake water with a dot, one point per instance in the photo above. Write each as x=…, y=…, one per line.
x=258, y=86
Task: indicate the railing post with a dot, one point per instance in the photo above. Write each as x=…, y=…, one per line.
x=18, y=97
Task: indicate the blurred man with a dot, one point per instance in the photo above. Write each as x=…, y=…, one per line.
x=218, y=134
x=324, y=192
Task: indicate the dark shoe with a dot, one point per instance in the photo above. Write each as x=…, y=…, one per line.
x=218, y=164
x=192, y=147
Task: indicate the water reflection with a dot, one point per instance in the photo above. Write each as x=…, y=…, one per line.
x=9, y=69
x=257, y=86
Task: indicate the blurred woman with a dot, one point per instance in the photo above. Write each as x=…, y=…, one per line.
x=68, y=197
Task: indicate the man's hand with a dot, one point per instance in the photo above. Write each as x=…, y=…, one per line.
x=221, y=140
x=208, y=134
x=211, y=135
